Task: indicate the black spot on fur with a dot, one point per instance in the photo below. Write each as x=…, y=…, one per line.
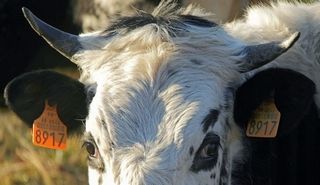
x=213, y=176
x=195, y=61
x=191, y=150
x=100, y=180
x=210, y=119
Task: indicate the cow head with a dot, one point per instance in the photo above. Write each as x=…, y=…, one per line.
x=163, y=89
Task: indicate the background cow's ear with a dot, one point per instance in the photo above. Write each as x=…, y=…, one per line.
x=292, y=92
x=26, y=96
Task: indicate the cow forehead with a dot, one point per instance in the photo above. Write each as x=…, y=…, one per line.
x=152, y=86
x=154, y=43
x=144, y=101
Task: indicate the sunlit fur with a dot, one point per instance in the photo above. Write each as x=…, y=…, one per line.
x=154, y=88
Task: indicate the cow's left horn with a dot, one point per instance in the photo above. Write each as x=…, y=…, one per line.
x=66, y=43
x=259, y=55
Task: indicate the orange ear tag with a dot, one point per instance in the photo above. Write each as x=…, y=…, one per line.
x=48, y=130
x=264, y=122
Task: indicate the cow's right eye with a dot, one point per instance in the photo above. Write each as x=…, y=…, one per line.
x=91, y=149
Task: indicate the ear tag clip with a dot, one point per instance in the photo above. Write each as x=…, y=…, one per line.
x=265, y=120
x=48, y=130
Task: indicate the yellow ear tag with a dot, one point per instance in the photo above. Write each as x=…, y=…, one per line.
x=264, y=122
x=48, y=130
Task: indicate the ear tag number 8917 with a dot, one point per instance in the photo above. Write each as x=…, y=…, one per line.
x=48, y=130
x=265, y=121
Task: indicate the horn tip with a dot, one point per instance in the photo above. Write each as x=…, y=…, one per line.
x=65, y=43
x=288, y=43
x=26, y=12
x=24, y=9
x=30, y=18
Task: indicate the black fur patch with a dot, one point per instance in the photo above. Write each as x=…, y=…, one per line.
x=195, y=61
x=197, y=21
x=173, y=24
x=191, y=150
x=213, y=176
x=131, y=23
x=210, y=119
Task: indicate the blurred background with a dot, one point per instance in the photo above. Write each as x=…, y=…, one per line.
x=22, y=50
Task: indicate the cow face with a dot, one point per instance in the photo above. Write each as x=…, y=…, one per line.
x=163, y=88
x=160, y=122
x=162, y=117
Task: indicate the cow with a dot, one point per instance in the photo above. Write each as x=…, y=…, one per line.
x=161, y=89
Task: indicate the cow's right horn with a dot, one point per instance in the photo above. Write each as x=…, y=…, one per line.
x=65, y=43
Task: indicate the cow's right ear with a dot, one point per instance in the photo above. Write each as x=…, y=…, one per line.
x=26, y=96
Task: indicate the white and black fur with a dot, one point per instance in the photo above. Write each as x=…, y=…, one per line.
x=164, y=84
x=153, y=148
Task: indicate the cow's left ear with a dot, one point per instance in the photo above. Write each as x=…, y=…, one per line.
x=292, y=93
x=27, y=94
